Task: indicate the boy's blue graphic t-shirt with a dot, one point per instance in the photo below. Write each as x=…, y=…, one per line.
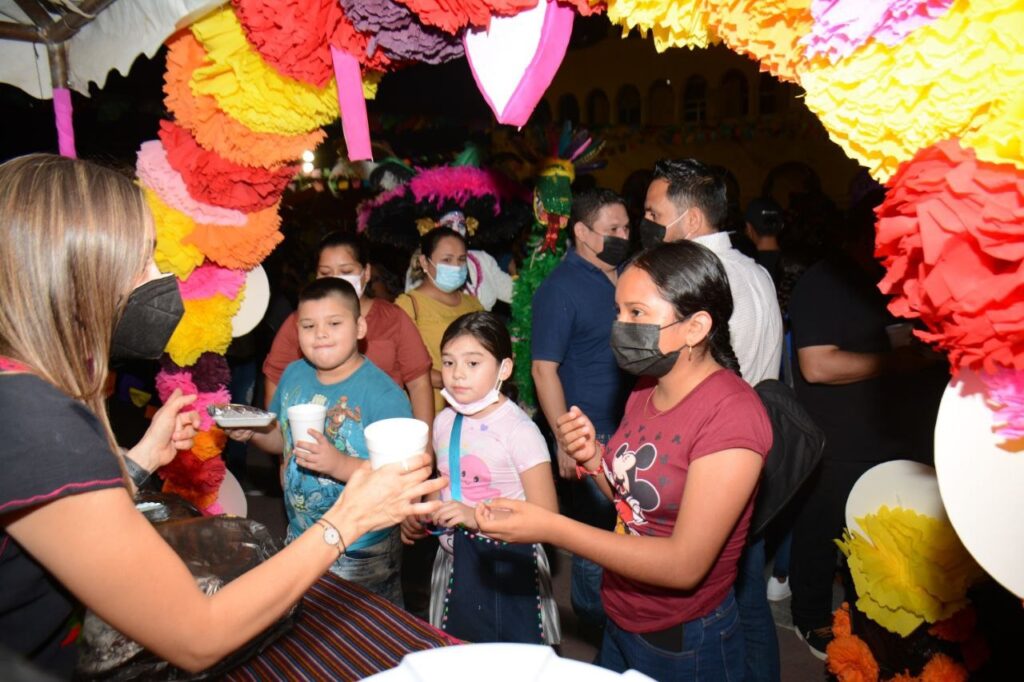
x=367, y=396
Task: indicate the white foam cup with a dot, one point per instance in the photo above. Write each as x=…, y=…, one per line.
x=302, y=418
x=395, y=440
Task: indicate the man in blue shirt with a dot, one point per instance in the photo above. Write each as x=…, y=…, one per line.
x=573, y=364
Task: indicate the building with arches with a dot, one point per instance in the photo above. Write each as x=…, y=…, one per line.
x=711, y=104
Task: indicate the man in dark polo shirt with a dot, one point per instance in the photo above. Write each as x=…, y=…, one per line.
x=573, y=364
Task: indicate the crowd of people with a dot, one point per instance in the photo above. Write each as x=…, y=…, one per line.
x=645, y=358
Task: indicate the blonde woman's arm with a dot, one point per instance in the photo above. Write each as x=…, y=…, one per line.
x=109, y=556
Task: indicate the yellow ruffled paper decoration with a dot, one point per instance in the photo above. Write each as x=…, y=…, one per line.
x=769, y=31
x=682, y=23
x=171, y=254
x=251, y=91
x=205, y=327
x=959, y=76
x=910, y=569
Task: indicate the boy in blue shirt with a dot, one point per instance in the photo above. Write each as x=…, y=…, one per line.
x=356, y=393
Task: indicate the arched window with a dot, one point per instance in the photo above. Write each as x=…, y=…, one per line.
x=661, y=103
x=735, y=99
x=599, y=109
x=628, y=105
x=568, y=109
x=769, y=94
x=695, y=100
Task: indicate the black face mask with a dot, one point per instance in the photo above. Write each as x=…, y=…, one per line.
x=651, y=233
x=636, y=349
x=150, y=317
x=613, y=250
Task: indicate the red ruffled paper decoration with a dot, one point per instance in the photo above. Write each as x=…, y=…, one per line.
x=292, y=36
x=951, y=236
x=217, y=181
x=454, y=15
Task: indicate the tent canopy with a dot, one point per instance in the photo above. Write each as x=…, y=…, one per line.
x=70, y=43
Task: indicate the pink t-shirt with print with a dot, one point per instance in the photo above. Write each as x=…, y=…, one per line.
x=495, y=450
x=646, y=462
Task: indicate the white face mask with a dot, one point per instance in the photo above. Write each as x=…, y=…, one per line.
x=355, y=280
x=492, y=396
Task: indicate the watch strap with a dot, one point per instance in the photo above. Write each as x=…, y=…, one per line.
x=340, y=544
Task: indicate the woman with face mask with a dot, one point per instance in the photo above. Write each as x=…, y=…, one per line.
x=74, y=262
x=438, y=300
x=681, y=469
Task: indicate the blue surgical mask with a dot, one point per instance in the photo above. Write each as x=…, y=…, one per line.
x=449, y=277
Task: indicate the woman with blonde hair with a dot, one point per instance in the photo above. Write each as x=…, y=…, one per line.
x=75, y=269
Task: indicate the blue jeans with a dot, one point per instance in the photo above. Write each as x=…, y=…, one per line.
x=378, y=567
x=759, y=635
x=712, y=649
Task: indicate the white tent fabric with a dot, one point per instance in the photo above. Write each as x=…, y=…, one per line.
x=112, y=40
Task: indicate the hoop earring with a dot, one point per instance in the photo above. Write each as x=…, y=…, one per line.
x=689, y=353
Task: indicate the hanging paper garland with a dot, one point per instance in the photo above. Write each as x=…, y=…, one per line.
x=684, y=23
x=206, y=326
x=239, y=248
x=841, y=26
x=292, y=35
x=455, y=15
x=171, y=254
x=396, y=31
x=951, y=235
x=769, y=31
x=947, y=79
x=212, y=128
x=215, y=180
x=249, y=90
x=156, y=174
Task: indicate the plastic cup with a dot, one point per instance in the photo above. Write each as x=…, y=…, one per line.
x=395, y=440
x=900, y=334
x=302, y=418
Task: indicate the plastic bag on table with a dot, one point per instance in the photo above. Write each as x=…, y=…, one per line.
x=216, y=549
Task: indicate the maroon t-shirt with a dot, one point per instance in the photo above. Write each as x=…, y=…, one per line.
x=646, y=462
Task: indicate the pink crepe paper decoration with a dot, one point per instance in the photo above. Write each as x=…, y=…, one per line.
x=514, y=60
x=155, y=172
x=209, y=279
x=1006, y=396
x=841, y=26
x=214, y=509
x=166, y=382
x=352, y=104
x=62, y=118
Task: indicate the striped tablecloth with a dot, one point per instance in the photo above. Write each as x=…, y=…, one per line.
x=343, y=633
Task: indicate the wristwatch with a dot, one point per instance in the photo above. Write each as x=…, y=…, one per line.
x=331, y=536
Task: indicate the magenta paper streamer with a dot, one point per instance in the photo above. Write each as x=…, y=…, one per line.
x=65, y=129
x=352, y=104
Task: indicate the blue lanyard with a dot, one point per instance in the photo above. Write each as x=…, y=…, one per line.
x=454, y=467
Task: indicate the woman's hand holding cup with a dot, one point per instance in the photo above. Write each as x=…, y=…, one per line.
x=379, y=498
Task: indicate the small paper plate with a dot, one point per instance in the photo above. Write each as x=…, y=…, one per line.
x=982, y=483
x=246, y=422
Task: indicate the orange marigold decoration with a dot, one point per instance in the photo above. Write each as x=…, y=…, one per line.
x=841, y=621
x=942, y=668
x=850, y=660
x=208, y=444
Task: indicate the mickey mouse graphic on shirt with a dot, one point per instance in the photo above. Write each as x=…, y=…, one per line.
x=636, y=495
